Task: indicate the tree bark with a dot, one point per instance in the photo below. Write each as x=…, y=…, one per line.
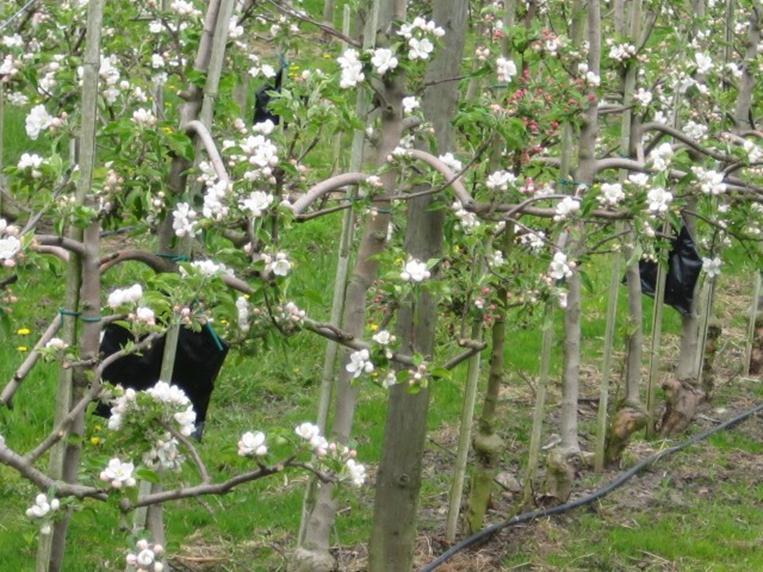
x=398, y=482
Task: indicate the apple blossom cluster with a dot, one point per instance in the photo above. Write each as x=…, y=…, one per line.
x=360, y=363
x=559, y=269
x=164, y=454
x=566, y=208
x=354, y=471
x=505, y=69
x=467, y=219
x=710, y=182
x=10, y=245
x=419, y=36
x=176, y=407
x=119, y=474
x=146, y=557
x=252, y=444
x=258, y=153
x=277, y=264
x=290, y=314
x=208, y=268
x=661, y=156
x=415, y=271
x=125, y=296
x=611, y=194
x=658, y=200
x=383, y=60
x=534, y=240
x=31, y=162
x=38, y=120
x=42, y=510
x=621, y=52
x=183, y=220
x=500, y=180
x=712, y=266
x=351, y=68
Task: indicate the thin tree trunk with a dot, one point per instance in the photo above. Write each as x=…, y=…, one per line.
x=313, y=554
x=754, y=310
x=398, y=481
x=340, y=283
x=563, y=460
x=487, y=443
x=464, y=440
x=189, y=111
x=84, y=290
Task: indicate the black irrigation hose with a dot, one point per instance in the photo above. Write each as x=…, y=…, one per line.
x=622, y=478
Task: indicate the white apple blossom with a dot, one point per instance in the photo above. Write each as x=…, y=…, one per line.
x=383, y=337
x=704, y=63
x=146, y=557
x=307, y=431
x=410, y=104
x=119, y=474
x=415, y=270
x=183, y=222
x=710, y=182
x=356, y=472
x=278, y=264
x=622, y=52
x=360, y=362
x=242, y=310
x=559, y=269
x=352, y=69
x=383, y=60
x=42, y=506
x=661, y=156
x=643, y=96
x=611, y=194
x=252, y=444
x=257, y=202
x=639, y=179
x=420, y=49
x=467, y=219
x=389, y=380
x=695, y=131
x=592, y=79
x=451, y=162
x=754, y=152
x=712, y=266
x=143, y=117
x=164, y=454
x=123, y=296
x=17, y=98
x=30, y=161
x=533, y=239
x=506, y=69
x=565, y=208
x=37, y=120
x=500, y=180
x=56, y=344
x=214, y=206
x=145, y=315
x=659, y=200
x=184, y=8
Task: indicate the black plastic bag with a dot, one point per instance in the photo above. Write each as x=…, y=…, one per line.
x=199, y=357
x=684, y=266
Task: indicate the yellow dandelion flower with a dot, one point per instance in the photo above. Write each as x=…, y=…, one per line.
x=95, y=441
x=22, y=349
x=23, y=331
x=374, y=327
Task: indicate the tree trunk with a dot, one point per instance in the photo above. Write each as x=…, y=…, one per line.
x=84, y=292
x=564, y=460
x=313, y=553
x=487, y=443
x=398, y=482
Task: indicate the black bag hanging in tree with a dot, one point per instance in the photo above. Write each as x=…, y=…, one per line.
x=199, y=357
x=684, y=267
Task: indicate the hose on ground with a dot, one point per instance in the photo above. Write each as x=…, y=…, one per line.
x=484, y=534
